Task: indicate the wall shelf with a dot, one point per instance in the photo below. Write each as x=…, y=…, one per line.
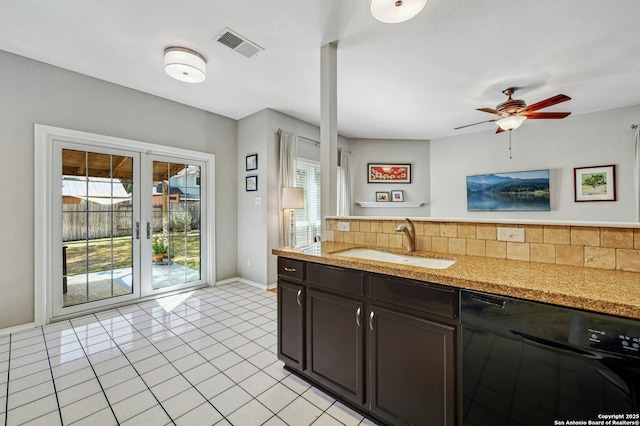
x=396, y=204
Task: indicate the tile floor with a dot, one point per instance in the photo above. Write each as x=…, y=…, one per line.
x=206, y=357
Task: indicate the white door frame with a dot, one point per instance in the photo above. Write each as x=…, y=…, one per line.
x=44, y=241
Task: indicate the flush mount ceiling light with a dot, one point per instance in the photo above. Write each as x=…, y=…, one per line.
x=395, y=11
x=185, y=64
x=511, y=122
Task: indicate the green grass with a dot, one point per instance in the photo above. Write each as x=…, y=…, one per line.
x=184, y=250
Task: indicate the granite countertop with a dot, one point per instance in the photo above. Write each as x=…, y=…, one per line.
x=599, y=290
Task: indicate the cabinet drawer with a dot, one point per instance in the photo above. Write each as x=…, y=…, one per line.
x=291, y=268
x=426, y=297
x=339, y=279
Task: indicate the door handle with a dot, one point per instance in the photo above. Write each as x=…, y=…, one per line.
x=371, y=320
x=148, y=230
x=298, y=297
x=358, y=312
x=137, y=230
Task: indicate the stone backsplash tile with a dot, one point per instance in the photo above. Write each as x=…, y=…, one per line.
x=557, y=234
x=448, y=229
x=486, y=231
x=585, y=236
x=593, y=247
x=497, y=249
x=440, y=244
x=518, y=251
x=533, y=233
x=543, y=253
x=617, y=238
x=628, y=260
x=467, y=230
x=476, y=247
x=599, y=257
x=570, y=255
x=457, y=246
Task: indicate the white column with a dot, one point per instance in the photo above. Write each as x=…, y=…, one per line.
x=328, y=130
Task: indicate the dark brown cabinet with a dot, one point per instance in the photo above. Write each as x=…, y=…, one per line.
x=291, y=313
x=291, y=323
x=335, y=343
x=412, y=369
x=386, y=345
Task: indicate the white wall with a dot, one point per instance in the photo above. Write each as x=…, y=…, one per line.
x=593, y=139
x=258, y=226
x=34, y=92
x=416, y=152
x=252, y=217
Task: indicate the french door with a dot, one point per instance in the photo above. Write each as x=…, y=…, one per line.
x=126, y=224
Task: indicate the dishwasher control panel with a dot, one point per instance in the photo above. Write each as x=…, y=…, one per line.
x=615, y=335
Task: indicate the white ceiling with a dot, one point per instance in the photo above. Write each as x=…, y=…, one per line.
x=415, y=80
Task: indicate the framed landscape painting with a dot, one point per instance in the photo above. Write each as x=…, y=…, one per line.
x=524, y=191
x=595, y=183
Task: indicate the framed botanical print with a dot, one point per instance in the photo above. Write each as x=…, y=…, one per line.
x=252, y=162
x=251, y=183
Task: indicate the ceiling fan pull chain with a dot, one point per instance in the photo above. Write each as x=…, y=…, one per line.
x=509, y=144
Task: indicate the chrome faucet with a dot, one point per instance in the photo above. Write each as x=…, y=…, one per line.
x=410, y=232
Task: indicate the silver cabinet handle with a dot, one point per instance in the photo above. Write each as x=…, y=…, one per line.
x=358, y=312
x=290, y=269
x=371, y=320
x=298, y=297
x=137, y=230
x=148, y=230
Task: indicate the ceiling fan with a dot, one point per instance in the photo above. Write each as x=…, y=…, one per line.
x=513, y=112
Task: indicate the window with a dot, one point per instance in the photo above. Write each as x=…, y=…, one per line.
x=308, y=220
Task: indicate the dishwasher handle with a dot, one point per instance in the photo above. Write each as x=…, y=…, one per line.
x=555, y=345
x=489, y=300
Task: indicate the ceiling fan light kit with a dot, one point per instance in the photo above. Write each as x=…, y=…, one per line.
x=511, y=122
x=185, y=64
x=395, y=11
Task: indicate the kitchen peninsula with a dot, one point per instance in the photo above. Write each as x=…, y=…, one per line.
x=389, y=339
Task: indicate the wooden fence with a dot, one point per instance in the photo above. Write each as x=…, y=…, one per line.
x=102, y=221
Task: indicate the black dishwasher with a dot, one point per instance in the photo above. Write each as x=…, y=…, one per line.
x=527, y=363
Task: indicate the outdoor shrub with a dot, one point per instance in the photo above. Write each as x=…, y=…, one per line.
x=180, y=221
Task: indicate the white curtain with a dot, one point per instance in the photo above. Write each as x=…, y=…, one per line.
x=636, y=172
x=288, y=160
x=344, y=182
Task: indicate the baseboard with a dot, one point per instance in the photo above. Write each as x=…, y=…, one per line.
x=247, y=282
x=17, y=328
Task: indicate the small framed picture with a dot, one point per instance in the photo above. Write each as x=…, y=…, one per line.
x=382, y=196
x=397, y=195
x=251, y=183
x=252, y=162
x=595, y=183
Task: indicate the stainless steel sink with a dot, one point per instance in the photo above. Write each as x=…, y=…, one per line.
x=383, y=256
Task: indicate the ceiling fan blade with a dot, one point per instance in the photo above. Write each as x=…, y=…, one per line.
x=546, y=103
x=469, y=125
x=500, y=130
x=489, y=110
x=545, y=115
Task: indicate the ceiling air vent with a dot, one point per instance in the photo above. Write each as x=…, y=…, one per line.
x=238, y=43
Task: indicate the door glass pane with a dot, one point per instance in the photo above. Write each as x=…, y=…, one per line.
x=97, y=226
x=176, y=224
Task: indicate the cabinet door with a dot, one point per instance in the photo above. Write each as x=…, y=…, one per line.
x=291, y=328
x=335, y=343
x=412, y=370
